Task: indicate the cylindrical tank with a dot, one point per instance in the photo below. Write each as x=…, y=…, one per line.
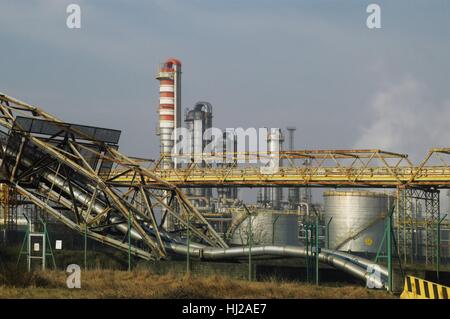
x=358, y=219
x=268, y=227
x=198, y=121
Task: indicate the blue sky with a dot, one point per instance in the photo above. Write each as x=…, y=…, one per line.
x=312, y=64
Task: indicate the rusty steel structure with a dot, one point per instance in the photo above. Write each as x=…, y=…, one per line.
x=60, y=168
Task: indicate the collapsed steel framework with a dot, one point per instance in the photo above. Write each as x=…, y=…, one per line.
x=59, y=167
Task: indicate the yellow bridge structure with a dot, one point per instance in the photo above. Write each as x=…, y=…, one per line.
x=324, y=168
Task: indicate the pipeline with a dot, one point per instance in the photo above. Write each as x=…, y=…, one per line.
x=363, y=262
x=212, y=253
x=353, y=265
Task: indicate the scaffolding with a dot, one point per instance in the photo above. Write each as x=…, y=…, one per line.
x=416, y=221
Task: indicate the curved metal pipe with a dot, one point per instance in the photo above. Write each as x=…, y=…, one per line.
x=211, y=253
x=63, y=184
x=355, y=266
x=123, y=228
x=356, y=259
x=123, y=225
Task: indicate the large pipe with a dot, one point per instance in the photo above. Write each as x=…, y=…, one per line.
x=97, y=206
x=356, y=259
x=358, y=269
x=353, y=265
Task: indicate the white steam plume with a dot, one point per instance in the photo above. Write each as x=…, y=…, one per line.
x=407, y=120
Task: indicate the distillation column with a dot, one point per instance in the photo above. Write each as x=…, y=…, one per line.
x=198, y=122
x=273, y=196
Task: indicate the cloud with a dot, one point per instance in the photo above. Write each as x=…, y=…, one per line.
x=406, y=119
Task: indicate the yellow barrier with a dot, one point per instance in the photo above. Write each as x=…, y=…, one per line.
x=416, y=288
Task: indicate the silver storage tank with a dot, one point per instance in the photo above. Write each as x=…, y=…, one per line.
x=358, y=219
x=268, y=227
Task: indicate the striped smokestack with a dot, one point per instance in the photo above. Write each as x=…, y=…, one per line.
x=169, y=76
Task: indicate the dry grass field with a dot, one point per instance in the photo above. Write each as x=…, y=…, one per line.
x=143, y=284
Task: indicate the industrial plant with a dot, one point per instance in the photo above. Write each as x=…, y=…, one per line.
x=375, y=216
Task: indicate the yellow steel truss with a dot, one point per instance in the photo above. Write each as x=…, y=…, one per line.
x=327, y=168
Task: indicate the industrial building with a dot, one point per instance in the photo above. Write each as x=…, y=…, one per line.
x=57, y=172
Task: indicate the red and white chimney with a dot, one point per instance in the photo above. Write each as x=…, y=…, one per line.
x=169, y=76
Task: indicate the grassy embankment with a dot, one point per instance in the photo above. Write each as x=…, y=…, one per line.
x=143, y=284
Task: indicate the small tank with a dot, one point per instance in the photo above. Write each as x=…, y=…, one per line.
x=358, y=219
x=268, y=227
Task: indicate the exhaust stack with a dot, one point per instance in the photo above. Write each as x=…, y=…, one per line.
x=169, y=76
